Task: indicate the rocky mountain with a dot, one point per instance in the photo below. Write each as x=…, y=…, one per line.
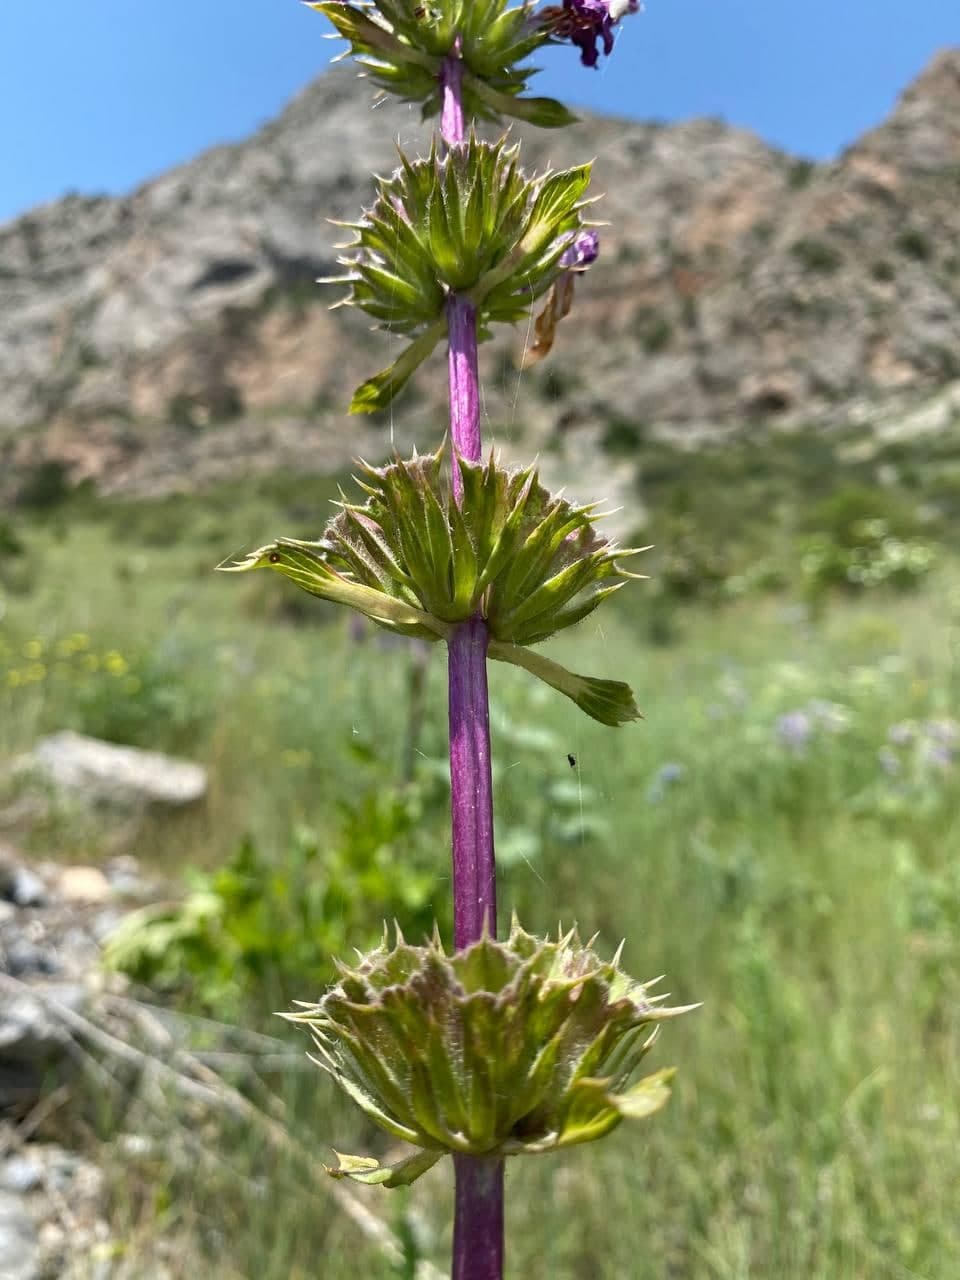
x=176, y=334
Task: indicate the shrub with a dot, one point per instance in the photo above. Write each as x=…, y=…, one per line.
x=622, y=436
x=799, y=174
x=264, y=927
x=817, y=256
x=913, y=243
x=653, y=329
x=45, y=485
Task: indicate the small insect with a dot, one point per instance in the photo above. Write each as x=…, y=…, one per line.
x=571, y=760
x=274, y=557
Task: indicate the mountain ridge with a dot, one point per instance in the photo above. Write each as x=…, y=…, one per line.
x=737, y=285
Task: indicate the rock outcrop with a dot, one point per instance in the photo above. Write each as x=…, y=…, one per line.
x=165, y=338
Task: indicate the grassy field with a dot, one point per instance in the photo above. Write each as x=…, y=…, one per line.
x=779, y=836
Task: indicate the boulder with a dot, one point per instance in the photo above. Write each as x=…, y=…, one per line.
x=108, y=774
x=32, y=1041
x=19, y=1247
x=21, y=887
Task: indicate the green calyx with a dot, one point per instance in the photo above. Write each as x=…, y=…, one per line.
x=505, y=1048
x=528, y=562
x=402, y=45
x=468, y=222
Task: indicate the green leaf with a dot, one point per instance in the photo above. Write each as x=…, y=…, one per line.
x=646, y=1097
x=546, y=113
x=590, y=1114
x=557, y=197
x=303, y=564
x=377, y=392
x=363, y=33
x=401, y=1173
x=609, y=701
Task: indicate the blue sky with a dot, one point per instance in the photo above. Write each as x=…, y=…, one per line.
x=98, y=96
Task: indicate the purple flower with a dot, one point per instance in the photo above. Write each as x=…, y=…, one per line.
x=938, y=754
x=889, y=761
x=945, y=732
x=668, y=775
x=795, y=729
x=585, y=22
x=584, y=249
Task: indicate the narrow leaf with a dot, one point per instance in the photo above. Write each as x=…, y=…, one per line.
x=377, y=392
x=371, y=1172
x=609, y=701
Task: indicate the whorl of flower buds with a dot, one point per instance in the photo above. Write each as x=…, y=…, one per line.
x=527, y=562
x=504, y=1048
x=402, y=44
x=469, y=222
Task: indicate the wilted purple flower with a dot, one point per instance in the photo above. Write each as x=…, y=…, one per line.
x=585, y=22
x=584, y=250
x=795, y=729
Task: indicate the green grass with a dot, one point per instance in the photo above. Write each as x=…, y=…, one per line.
x=810, y=900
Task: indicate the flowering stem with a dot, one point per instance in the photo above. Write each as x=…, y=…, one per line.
x=478, y=1224
x=478, y=1214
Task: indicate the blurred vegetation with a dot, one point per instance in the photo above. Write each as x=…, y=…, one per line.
x=779, y=836
x=264, y=925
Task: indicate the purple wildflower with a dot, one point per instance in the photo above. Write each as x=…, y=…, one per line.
x=902, y=734
x=583, y=250
x=938, y=754
x=666, y=776
x=889, y=761
x=945, y=732
x=585, y=22
x=795, y=729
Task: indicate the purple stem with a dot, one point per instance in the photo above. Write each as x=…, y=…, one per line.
x=452, y=128
x=464, y=384
x=471, y=790
x=478, y=1221
x=478, y=1215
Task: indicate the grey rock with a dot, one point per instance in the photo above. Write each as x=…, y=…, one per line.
x=24, y=889
x=20, y=1174
x=105, y=773
x=29, y=1031
x=19, y=1247
x=24, y=959
x=33, y=1041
